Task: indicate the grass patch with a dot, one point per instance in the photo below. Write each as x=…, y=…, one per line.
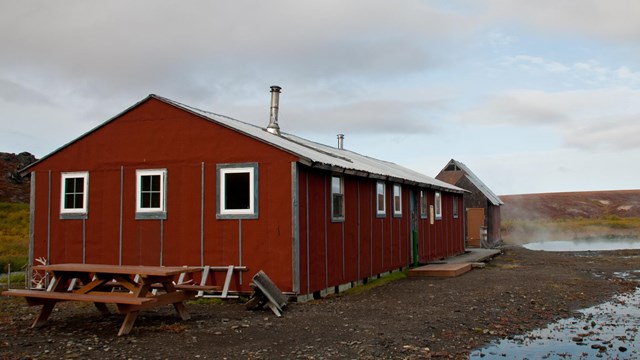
x=206, y=301
x=17, y=280
x=14, y=236
x=394, y=276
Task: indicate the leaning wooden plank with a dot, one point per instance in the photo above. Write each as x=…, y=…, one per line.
x=227, y=281
x=277, y=301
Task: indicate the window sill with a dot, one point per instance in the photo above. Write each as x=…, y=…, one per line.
x=236, y=216
x=74, y=216
x=155, y=215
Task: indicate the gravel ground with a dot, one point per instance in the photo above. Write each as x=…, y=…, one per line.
x=412, y=318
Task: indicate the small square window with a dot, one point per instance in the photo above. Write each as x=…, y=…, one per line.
x=438, y=205
x=337, y=198
x=424, y=208
x=381, y=210
x=237, y=190
x=151, y=194
x=74, y=195
x=397, y=200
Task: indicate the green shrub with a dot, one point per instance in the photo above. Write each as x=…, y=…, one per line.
x=14, y=236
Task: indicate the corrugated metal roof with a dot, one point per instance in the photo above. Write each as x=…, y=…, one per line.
x=308, y=152
x=475, y=180
x=323, y=156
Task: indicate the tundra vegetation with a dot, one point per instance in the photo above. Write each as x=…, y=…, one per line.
x=14, y=236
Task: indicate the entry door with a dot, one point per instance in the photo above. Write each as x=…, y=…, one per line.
x=475, y=220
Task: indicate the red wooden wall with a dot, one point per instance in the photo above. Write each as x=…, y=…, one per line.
x=156, y=135
x=335, y=253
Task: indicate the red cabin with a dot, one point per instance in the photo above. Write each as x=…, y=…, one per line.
x=166, y=184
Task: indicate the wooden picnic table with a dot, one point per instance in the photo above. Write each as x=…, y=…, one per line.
x=98, y=283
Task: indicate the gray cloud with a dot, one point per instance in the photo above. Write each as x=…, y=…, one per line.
x=612, y=20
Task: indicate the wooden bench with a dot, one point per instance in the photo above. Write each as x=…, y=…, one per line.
x=32, y=297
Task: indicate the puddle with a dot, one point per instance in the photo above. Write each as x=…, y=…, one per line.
x=585, y=244
x=607, y=331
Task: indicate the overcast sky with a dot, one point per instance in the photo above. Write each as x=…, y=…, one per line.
x=533, y=96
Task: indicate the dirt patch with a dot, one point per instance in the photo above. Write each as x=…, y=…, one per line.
x=411, y=318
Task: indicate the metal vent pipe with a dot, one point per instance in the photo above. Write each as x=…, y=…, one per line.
x=275, y=103
x=341, y=141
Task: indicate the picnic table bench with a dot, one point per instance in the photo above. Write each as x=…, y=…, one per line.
x=137, y=281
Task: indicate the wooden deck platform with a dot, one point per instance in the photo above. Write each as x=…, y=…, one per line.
x=441, y=270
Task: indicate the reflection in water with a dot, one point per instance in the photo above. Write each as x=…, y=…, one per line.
x=585, y=245
x=607, y=331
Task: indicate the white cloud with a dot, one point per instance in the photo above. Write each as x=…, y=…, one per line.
x=584, y=118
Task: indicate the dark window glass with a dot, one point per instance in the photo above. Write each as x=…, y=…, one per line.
x=237, y=191
x=337, y=206
x=380, y=197
x=73, y=193
x=423, y=204
x=149, y=191
x=455, y=206
x=337, y=196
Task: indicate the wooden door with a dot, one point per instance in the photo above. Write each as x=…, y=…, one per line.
x=475, y=219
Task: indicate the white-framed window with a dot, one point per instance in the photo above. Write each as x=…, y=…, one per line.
x=151, y=194
x=424, y=206
x=337, y=198
x=381, y=210
x=74, y=195
x=454, y=206
x=397, y=200
x=438, y=205
x=237, y=190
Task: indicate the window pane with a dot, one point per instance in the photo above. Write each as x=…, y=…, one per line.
x=73, y=193
x=396, y=203
x=380, y=202
x=155, y=200
x=337, y=206
x=77, y=204
x=79, y=185
x=145, y=183
x=336, y=187
x=145, y=200
x=68, y=201
x=237, y=191
x=155, y=183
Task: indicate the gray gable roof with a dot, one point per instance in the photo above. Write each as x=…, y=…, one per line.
x=475, y=180
x=308, y=152
x=323, y=156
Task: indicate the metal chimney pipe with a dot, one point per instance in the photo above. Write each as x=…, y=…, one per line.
x=273, y=118
x=341, y=141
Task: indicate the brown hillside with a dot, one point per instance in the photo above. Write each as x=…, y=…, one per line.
x=586, y=204
x=13, y=187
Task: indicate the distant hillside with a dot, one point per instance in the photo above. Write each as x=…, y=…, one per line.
x=571, y=205
x=13, y=187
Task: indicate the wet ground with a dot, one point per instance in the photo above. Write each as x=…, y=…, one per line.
x=608, y=330
x=590, y=244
